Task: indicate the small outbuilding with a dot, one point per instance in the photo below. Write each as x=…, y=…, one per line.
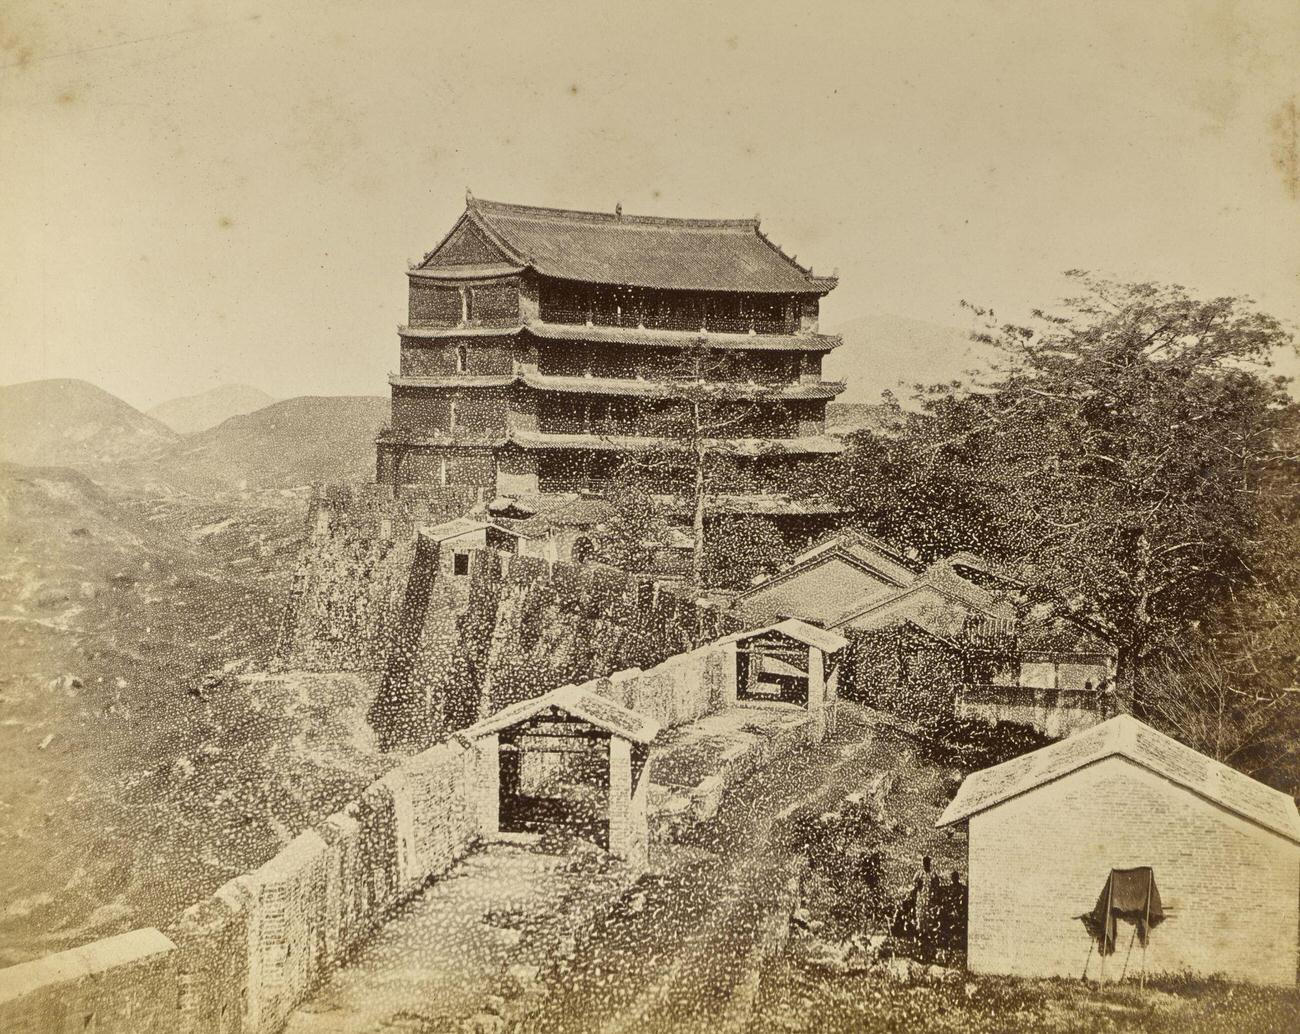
x=569, y=759
x=1119, y=835
x=791, y=663
x=457, y=539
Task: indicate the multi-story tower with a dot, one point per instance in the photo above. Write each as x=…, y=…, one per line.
x=541, y=346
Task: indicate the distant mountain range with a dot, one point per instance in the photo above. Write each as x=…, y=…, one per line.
x=209, y=408
x=288, y=444
x=882, y=351
x=296, y=442
x=73, y=423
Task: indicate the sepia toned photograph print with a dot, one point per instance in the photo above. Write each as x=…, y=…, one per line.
x=617, y=518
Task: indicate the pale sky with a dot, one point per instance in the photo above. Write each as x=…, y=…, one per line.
x=196, y=193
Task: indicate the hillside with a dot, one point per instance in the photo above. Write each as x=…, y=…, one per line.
x=287, y=444
x=207, y=409
x=74, y=423
x=882, y=351
x=111, y=610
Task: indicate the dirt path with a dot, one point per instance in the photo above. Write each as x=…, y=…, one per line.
x=683, y=953
x=448, y=950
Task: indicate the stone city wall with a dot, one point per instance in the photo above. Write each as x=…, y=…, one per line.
x=242, y=960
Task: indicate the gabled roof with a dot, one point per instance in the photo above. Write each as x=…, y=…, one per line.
x=1126, y=737
x=945, y=582
x=819, y=559
x=581, y=702
x=793, y=628
x=459, y=526
x=858, y=542
x=639, y=251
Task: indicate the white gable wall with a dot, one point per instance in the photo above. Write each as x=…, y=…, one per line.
x=821, y=592
x=1037, y=861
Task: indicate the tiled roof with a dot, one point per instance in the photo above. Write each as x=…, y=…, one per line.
x=793, y=628
x=581, y=702
x=455, y=380
x=644, y=251
x=468, y=331
x=637, y=336
x=459, y=526
x=820, y=558
x=938, y=578
x=581, y=511
x=1125, y=736
x=677, y=338
x=942, y=576
x=864, y=547
x=483, y=272
x=660, y=389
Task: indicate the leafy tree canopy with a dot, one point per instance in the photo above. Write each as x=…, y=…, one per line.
x=1120, y=453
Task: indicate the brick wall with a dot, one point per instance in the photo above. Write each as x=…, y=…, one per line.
x=422, y=357
x=1039, y=860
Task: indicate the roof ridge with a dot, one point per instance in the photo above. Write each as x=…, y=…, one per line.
x=834, y=551
x=485, y=207
x=1118, y=737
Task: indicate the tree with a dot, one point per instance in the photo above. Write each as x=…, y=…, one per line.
x=1139, y=425
x=701, y=406
x=929, y=482
x=1231, y=689
x=636, y=528
x=1117, y=452
x=741, y=546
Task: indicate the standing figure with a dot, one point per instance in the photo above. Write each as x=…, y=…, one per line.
x=925, y=882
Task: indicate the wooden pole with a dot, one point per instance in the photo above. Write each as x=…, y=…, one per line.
x=1146, y=928
x=1105, y=922
x=1128, y=954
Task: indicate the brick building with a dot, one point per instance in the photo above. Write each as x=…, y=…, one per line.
x=542, y=347
x=1046, y=829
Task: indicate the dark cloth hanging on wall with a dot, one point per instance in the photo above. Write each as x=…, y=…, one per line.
x=1127, y=894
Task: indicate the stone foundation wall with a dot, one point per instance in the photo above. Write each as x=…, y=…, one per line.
x=127, y=983
x=1057, y=721
x=240, y=961
x=370, y=595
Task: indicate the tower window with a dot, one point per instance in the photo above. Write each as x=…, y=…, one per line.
x=462, y=359
x=460, y=564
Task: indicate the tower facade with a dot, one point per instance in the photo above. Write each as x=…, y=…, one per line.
x=544, y=346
